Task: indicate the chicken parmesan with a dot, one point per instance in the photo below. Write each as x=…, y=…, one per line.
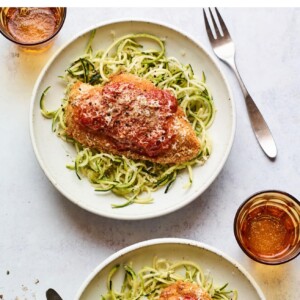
x=130, y=116
x=136, y=118
x=184, y=290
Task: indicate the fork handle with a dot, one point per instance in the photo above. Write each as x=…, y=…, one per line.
x=259, y=125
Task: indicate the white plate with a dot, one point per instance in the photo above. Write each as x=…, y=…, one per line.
x=53, y=154
x=222, y=268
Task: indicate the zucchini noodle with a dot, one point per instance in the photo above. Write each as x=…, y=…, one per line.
x=135, y=179
x=149, y=282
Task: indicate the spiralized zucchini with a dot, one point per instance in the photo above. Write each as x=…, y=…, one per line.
x=149, y=282
x=135, y=180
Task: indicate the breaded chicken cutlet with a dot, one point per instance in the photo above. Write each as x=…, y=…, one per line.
x=130, y=116
x=184, y=290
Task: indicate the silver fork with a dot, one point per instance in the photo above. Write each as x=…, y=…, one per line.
x=224, y=49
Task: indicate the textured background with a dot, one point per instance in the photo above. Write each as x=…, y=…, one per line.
x=46, y=241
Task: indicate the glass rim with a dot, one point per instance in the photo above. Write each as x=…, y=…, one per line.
x=43, y=41
x=248, y=253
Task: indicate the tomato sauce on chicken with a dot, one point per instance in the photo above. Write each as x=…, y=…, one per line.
x=134, y=118
x=182, y=290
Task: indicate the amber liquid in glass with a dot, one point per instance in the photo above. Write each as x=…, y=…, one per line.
x=268, y=232
x=32, y=25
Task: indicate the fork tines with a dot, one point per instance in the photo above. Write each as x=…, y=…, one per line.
x=219, y=33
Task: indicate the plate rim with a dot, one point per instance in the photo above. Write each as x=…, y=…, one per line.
x=150, y=215
x=161, y=241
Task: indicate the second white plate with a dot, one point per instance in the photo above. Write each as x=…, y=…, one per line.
x=222, y=268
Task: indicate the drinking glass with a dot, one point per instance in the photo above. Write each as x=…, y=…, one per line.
x=266, y=227
x=32, y=28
